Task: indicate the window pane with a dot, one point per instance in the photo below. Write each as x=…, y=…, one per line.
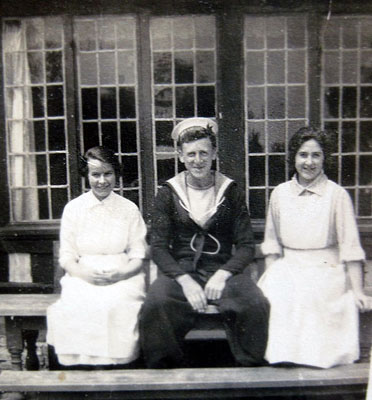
x=275, y=28
x=184, y=71
x=183, y=34
x=257, y=171
x=165, y=169
x=163, y=134
x=205, y=71
x=331, y=101
x=348, y=171
x=255, y=68
x=275, y=67
x=163, y=103
x=90, y=135
x=128, y=137
x=126, y=68
x=349, y=72
x=276, y=170
x=255, y=33
x=365, y=136
x=53, y=33
x=108, y=102
x=331, y=71
x=256, y=103
x=296, y=102
x=107, y=72
x=125, y=32
x=275, y=102
x=130, y=171
x=110, y=135
x=296, y=67
x=58, y=174
x=365, y=202
x=161, y=33
x=54, y=66
x=35, y=62
x=55, y=101
x=41, y=168
x=56, y=133
x=366, y=102
x=348, y=137
x=366, y=67
x=206, y=101
x=43, y=204
x=39, y=134
x=365, y=170
x=90, y=106
x=106, y=35
x=86, y=35
x=256, y=137
x=38, y=102
x=276, y=136
x=205, y=32
x=127, y=102
x=349, y=102
x=59, y=200
x=257, y=203
x=162, y=67
x=296, y=32
x=184, y=102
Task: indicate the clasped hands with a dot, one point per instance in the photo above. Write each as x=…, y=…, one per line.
x=197, y=296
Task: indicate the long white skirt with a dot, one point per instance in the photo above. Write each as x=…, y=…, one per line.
x=313, y=315
x=92, y=324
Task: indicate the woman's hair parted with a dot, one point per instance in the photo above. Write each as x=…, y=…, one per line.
x=103, y=154
x=325, y=139
x=192, y=134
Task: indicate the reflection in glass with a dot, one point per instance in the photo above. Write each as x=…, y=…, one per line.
x=256, y=137
x=331, y=102
x=184, y=67
x=162, y=67
x=107, y=70
x=55, y=101
x=108, y=102
x=257, y=203
x=348, y=171
x=128, y=134
x=127, y=101
x=161, y=30
x=89, y=103
x=365, y=102
x=275, y=29
x=348, y=137
x=110, y=135
x=183, y=34
x=125, y=33
x=58, y=175
x=34, y=33
x=349, y=67
x=35, y=62
x=126, y=68
x=366, y=67
x=256, y=103
x=365, y=170
x=56, y=134
x=296, y=67
x=276, y=170
x=257, y=171
x=255, y=68
x=86, y=33
x=276, y=136
x=365, y=202
x=59, y=200
x=296, y=107
x=349, y=100
x=53, y=33
x=163, y=133
x=37, y=101
x=88, y=69
x=184, y=102
x=163, y=102
x=275, y=67
x=90, y=135
x=276, y=102
x=331, y=70
x=165, y=169
x=53, y=61
x=205, y=71
x=106, y=35
x=41, y=170
x=130, y=171
x=365, y=141
x=205, y=32
x=206, y=101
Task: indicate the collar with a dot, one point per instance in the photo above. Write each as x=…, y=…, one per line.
x=92, y=201
x=318, y=186
x=178, y=184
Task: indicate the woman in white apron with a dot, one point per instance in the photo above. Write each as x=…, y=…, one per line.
x=102, y=247
x=313, y=276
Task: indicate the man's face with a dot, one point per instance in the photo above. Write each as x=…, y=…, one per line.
x=198, y=157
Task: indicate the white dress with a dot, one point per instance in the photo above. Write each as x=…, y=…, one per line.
x=93, y=324
x=313, y=315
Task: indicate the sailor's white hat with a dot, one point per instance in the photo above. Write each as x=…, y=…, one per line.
x=193, y=123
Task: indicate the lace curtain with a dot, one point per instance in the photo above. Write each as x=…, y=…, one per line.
x=20, y=133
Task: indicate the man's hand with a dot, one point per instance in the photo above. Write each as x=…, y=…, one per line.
x=193, y=292
x=216, y=284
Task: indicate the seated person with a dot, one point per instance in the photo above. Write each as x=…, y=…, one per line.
x=198, y=217
x=102, y=247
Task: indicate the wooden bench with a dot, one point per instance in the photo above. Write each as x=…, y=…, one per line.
x=203, y=383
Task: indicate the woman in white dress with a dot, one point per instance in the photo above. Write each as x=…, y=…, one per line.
x=314, y=260
x=102, y=247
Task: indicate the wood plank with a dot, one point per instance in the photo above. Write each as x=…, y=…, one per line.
x=26, y=305
x=183, y=379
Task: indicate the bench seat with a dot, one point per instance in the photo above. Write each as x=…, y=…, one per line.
x=189, y=383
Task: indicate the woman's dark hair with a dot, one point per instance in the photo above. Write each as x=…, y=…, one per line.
x=103, y=154
x=195, y=134
x=326, y=142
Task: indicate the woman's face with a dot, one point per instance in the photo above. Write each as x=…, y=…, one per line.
x=309, y=162
x=101, y=178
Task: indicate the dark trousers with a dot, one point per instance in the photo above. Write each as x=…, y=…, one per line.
x=166, y=317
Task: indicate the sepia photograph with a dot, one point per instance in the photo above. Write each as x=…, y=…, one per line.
x=186, y=199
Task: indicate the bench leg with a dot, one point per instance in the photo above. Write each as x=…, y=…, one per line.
x=32, y=360
x=14, y=342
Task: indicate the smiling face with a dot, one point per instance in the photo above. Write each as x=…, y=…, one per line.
x=198, y=157
x=309, y=162
x=101, y=178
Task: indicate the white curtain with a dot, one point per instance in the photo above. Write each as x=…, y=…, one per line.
x=23, y=180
